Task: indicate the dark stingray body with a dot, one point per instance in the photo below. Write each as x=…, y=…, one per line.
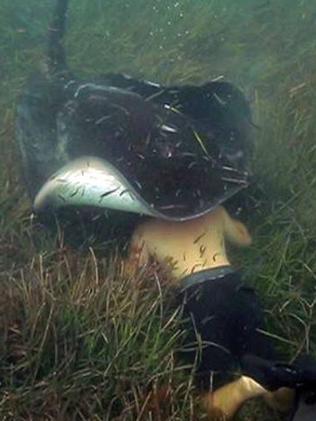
x=181, y=156
x=183, y=149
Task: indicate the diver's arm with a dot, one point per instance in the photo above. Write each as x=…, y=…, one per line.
x=235, y=231
x=138, y=255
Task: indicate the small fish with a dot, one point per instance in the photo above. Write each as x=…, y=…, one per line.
x=234, y=180
x=222, y=102
x=166, y=207
x=74, y=192
x=148, y=82
x=215, y=256
x=189, y=154
x=138, y=184
x=155, y=95
x=224, y=167
x=71, y=82
x=171, y=108
x=192, y=164
x=124, y=192
x=195, y=266
x=102, y=119
x=202, y=251
x=199, y=238
x=108, y=193
x=200, y=141
x=169, y=128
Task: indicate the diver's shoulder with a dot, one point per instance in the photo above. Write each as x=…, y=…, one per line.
x=216, y=214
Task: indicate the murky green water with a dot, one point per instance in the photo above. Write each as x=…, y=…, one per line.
x=266, y=48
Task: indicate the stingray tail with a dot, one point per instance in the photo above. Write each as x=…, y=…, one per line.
x=56, y=52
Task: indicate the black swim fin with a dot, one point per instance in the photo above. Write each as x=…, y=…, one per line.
x=273, y=375
x=305, y=407
x=305, y=403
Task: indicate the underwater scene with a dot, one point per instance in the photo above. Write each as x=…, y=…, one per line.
x=158, y=210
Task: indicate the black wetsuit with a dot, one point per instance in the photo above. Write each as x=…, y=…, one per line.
x=224, y=320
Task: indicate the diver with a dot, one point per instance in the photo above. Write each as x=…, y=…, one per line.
x=235, y=359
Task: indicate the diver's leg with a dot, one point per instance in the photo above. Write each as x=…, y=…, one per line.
x=258, y=362
x=227, y=320
x=212, y=324
x=228, y=399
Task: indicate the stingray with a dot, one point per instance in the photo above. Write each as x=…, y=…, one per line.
x=116, y=142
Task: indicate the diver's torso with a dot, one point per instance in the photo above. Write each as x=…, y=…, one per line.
x=194, y=245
